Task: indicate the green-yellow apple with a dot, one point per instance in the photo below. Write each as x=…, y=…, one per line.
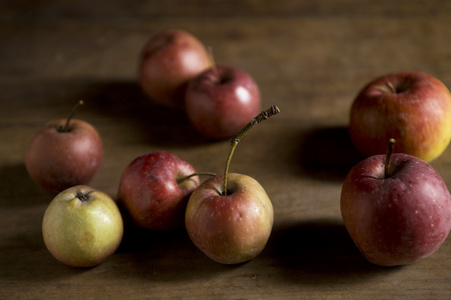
x=232, y=228
x=398, y=215
x=412, y=107
x=82, y=226
x=154, y=189
x=167, y=62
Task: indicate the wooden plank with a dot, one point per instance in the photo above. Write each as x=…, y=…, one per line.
x=309, y=58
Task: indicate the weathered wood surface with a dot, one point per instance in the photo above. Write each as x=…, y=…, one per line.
x=309, y=57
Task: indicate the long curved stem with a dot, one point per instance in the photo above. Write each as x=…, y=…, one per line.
x=66, y=127
x=236, y=139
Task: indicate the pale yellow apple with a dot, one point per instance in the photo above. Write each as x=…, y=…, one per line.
x=82, y=226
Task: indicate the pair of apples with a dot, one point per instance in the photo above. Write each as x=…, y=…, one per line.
x=176, y=71
x=228, y=217
x=397, y=208
x=81, y=226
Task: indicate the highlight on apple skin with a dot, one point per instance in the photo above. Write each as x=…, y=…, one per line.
x=412, y=107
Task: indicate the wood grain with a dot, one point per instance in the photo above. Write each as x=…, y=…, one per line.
x=310, y=58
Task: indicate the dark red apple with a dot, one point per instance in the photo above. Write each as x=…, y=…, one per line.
x=221, y=100
x=168, y=61
x=412, y=107
x=64, y=153
x=398, y=216
x=154, y=190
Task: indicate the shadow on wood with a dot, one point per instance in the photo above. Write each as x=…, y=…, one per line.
x=155, y=124
x=18, y=189
x=327, y=153
x=319, y=252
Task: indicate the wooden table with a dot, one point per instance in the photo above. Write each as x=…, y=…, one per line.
x=309, y=57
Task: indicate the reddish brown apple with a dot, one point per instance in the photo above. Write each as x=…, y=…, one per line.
x=233, y=228
x=168, y=61
x=64, y=153
x=154, y=189
x=221, y=100
x=230, y=217
x=412, y=107
x=397, y=213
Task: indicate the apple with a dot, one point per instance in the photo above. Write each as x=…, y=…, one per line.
x=234, y=228
x=82, y=226
x=64, y=153
x=167, y=62
x=221, y=100
x=154, y=189
x=412, y=107
x=230, y=217
x=396, y=208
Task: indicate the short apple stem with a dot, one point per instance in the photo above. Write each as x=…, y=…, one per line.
x=391, y=147
x=83, y=197
x=213, y=64
x=391, y=87
x=66, y=127
x=273, y=110
x=180, y=180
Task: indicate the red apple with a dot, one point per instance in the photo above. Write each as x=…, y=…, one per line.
x=168, y=61
x=64, y=153
x=398, y=216
x=82, y=227
x=412, y=107
x=234, y=228
x=154, y=190
x=221, y=100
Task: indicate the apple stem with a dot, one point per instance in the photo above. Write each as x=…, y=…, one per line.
x=391, y=87
x=391, y=147
x=180, y=180
x=83, y=197
x=273, y=110
x=213, y=64
x=66, y=127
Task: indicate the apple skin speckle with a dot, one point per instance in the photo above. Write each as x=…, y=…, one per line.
x=400, y=219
